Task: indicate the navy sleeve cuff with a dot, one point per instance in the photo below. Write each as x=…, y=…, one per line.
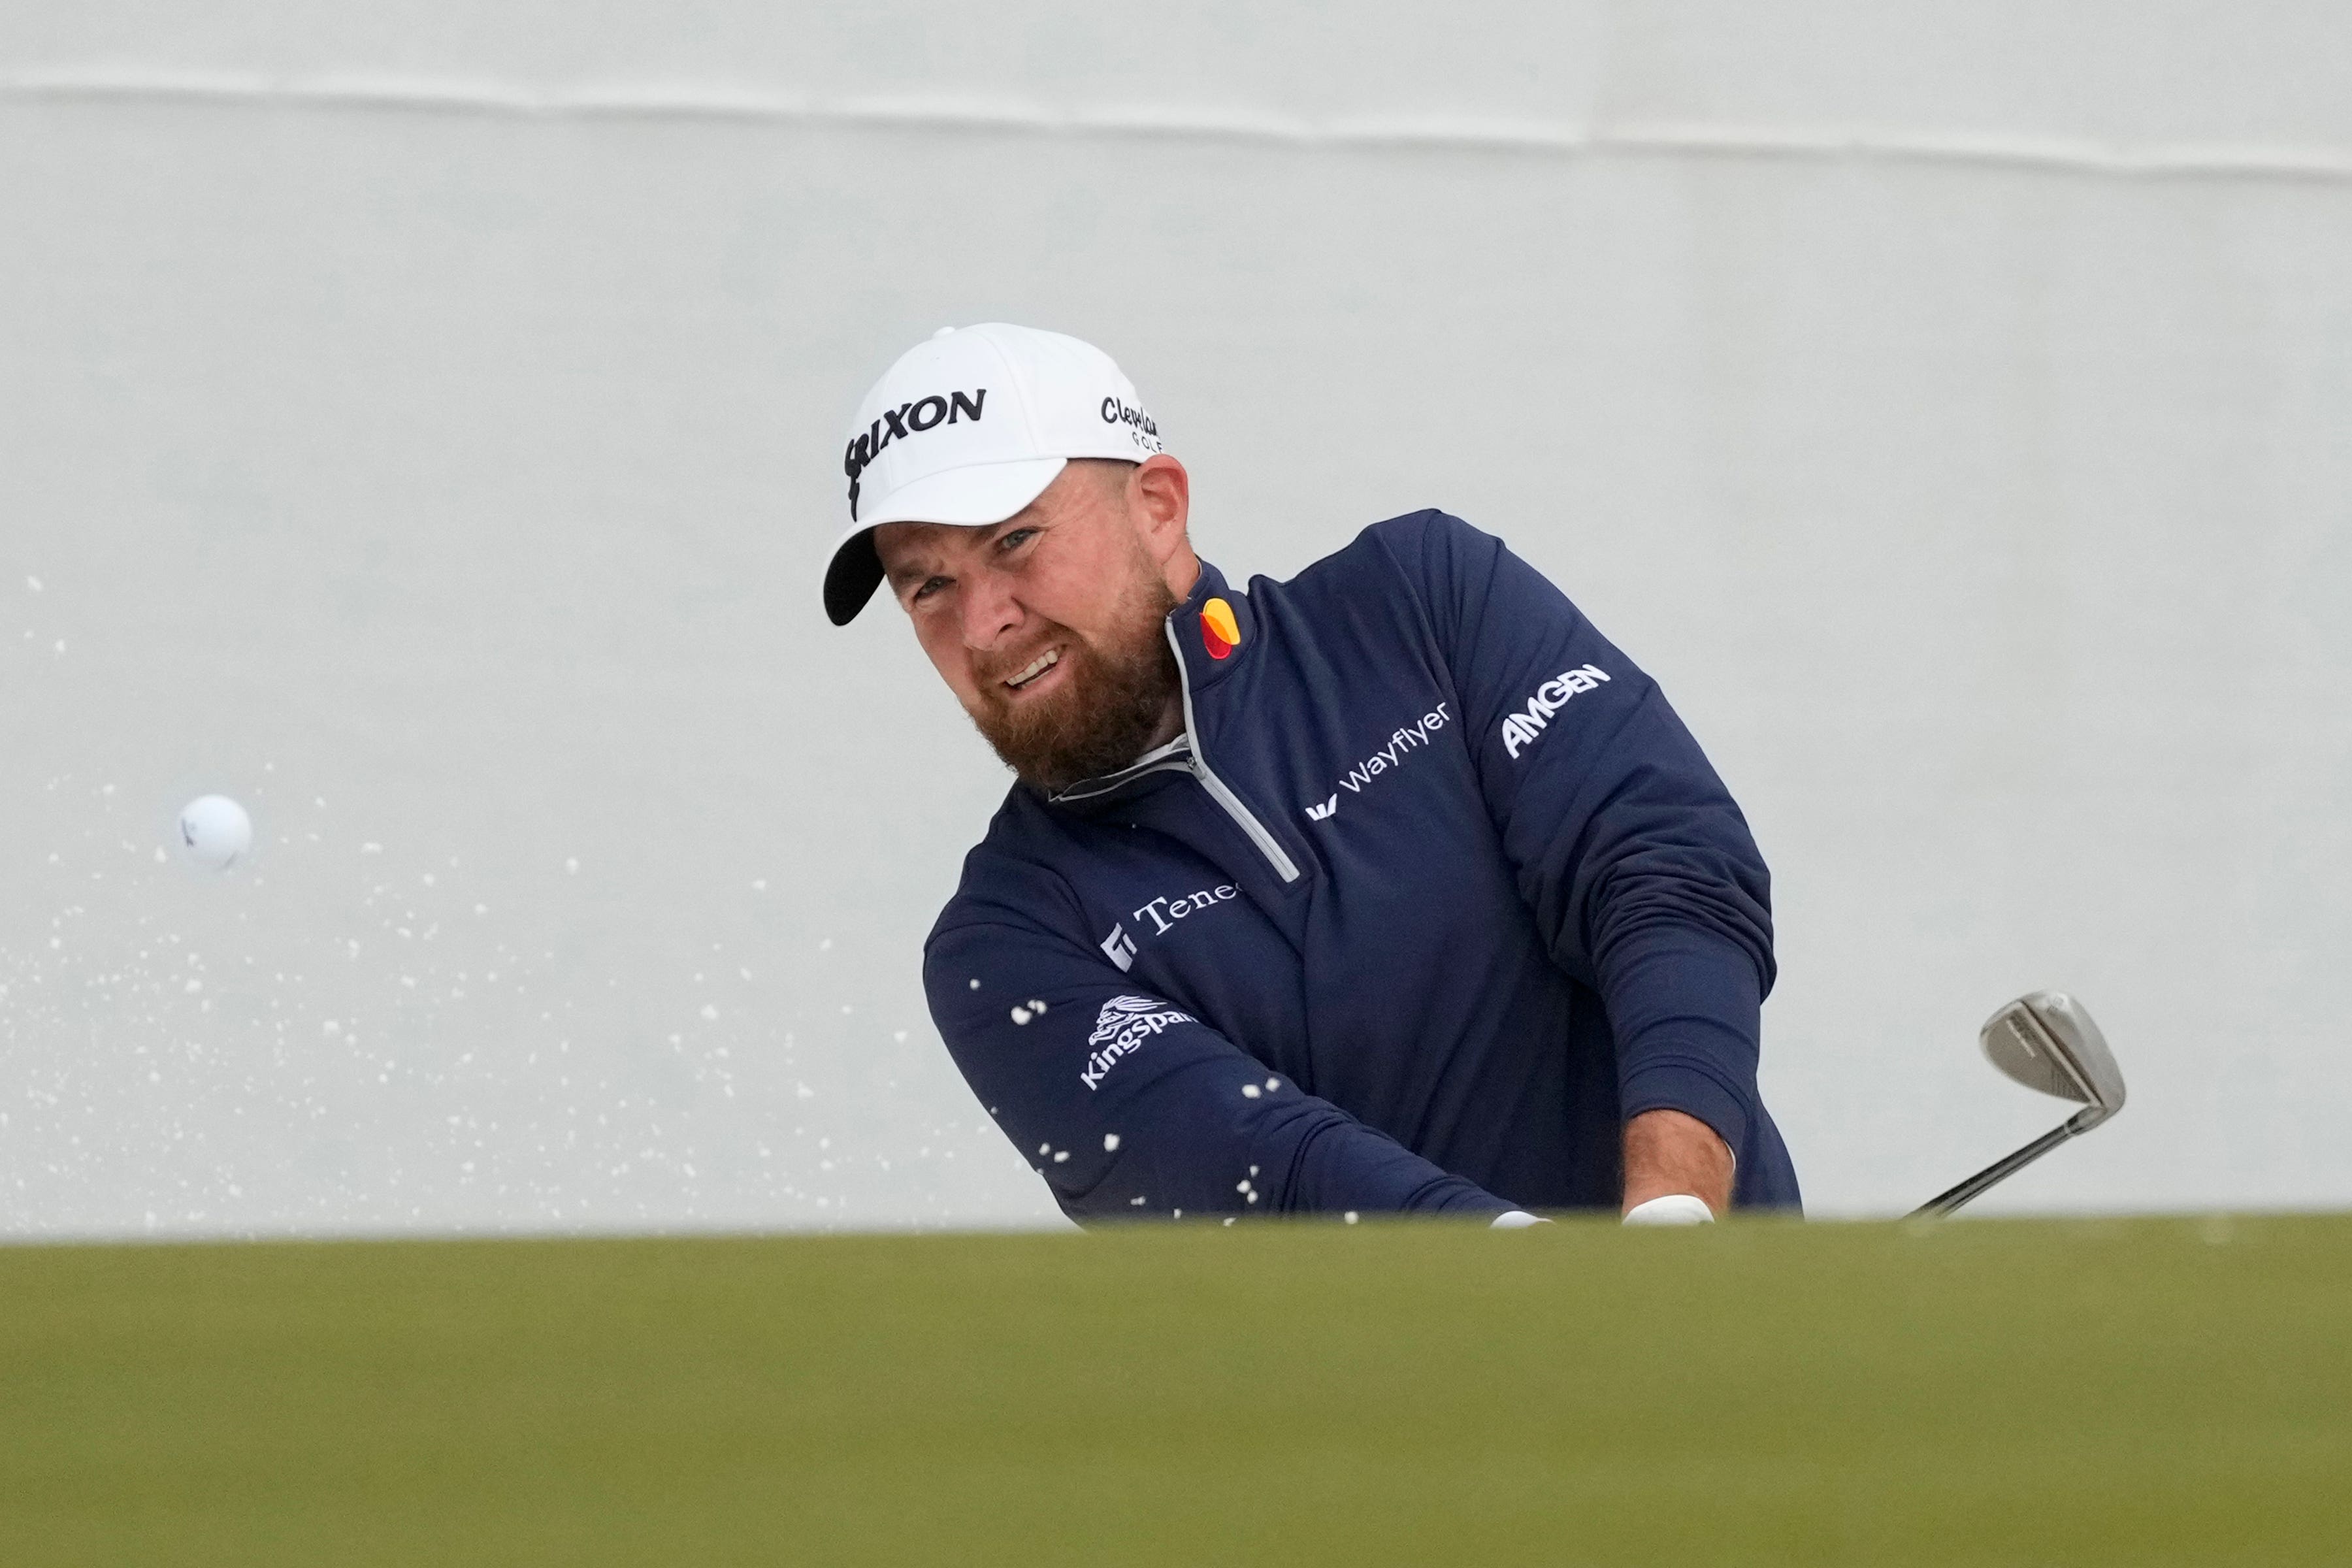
x=1689, y=1088
x=1466, y=1198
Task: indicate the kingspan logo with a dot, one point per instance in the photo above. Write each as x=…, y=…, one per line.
x=1525, y=727
x=1123, y=1026
x=908, y=419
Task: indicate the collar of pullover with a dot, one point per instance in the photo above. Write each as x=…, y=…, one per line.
x=1213, y=630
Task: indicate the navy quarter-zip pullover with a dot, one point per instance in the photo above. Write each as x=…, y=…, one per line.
x=1433, y=894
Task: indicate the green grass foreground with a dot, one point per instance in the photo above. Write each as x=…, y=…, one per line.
x=2131, y=1391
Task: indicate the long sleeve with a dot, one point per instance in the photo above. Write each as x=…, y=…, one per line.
x=1129, y=1107
x=1641, y=872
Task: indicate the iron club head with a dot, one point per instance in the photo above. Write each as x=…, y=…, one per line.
x=2046, y=1041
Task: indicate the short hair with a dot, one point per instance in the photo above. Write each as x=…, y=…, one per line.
x=1110, y=471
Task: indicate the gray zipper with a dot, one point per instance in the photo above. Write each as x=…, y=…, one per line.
x=1172, y=758
x=1267, y=845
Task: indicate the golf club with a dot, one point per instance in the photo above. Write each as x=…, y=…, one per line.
x=2046, y=1041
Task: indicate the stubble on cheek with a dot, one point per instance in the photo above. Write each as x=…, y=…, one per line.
x=1111, y=699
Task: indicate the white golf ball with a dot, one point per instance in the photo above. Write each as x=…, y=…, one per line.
x=215, y=830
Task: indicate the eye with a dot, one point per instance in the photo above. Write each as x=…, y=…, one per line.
x=1018, y=537
x=927, y=588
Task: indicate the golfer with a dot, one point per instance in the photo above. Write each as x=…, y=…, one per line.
x=1394, y=887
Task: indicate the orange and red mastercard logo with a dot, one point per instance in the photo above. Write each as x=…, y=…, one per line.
x=1220, y=633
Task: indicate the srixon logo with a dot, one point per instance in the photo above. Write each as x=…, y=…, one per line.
x=906, y=419
x=1525, y=727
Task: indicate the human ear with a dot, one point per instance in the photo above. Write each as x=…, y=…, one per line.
x=1160, y=497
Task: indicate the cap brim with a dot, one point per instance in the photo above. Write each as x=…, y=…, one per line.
x=970, y=497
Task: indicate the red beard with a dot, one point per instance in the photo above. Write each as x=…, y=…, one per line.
x=1114, y=697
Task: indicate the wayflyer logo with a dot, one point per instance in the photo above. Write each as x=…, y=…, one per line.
x=1220, y=633
x=1407, y=739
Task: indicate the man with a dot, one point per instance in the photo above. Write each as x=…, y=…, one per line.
x=1391, y=888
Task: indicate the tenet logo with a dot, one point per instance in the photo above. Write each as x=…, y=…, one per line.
x=1527, y=726
x=1192, y=904
x=1163, y=912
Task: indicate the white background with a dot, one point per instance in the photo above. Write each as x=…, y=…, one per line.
x=422, y=422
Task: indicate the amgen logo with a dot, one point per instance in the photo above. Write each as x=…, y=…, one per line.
x=1525, y=727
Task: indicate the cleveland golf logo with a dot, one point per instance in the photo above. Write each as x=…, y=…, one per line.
x=1525, y=727
x=906, y=419
x=1140, y=426
x=1220, y=633
x=1121, y=1028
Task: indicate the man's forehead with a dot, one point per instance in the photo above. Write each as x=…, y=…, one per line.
x=897, y=542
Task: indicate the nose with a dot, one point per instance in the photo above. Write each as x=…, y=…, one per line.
x=989, y=611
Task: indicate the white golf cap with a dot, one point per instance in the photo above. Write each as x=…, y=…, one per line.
x=970, y=427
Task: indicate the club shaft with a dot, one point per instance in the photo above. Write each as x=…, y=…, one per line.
x=1999, y=1171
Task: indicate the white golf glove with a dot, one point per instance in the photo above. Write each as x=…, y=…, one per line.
x=1674, y=1209
x=1517, y=1219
